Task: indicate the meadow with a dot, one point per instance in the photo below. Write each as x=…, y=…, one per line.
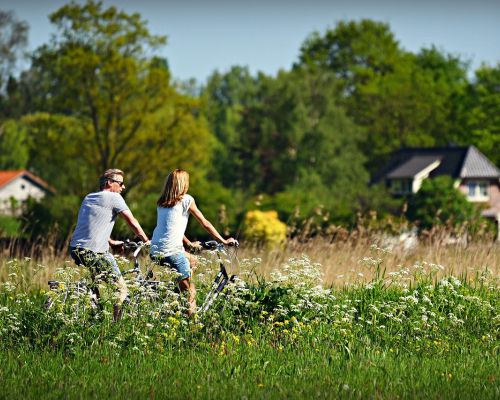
x=312, y=319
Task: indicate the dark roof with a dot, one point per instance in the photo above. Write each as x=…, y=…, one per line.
x=457, y=162
x=412, y=167
x=476, y=165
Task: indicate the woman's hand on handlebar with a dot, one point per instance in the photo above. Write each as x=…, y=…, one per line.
x=231, y=242
x=195, y=246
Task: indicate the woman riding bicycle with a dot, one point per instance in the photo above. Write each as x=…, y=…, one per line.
x=174, y=207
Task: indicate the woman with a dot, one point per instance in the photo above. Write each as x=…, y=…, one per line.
x=174, y=207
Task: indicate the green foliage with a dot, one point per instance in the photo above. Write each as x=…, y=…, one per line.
x=401, y=99
x=218, y=204
x=355, y=51
x=54, y=217
x=59, y=152
x=13, y=40
x=98, y=70
x=14, y=145
x=438, y=202
x=9, y=227
x=263, y=228
x=287, y=136
x=483, y=115
x=225, y=98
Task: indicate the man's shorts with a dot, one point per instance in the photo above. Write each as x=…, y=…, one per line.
x=178, y=261
x=101, y=265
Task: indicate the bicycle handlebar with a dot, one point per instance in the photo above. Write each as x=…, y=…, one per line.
x=215, y=245
x=137, y=246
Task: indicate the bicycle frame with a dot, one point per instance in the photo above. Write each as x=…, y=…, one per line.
x=83, y=288
x=221, y=279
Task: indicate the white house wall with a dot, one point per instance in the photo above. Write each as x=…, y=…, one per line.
x=424, y=174
x=20, y=189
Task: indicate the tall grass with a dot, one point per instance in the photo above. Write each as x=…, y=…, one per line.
x=339, y=259
x=280, y=331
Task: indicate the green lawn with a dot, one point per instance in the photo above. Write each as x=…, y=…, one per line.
x=249, y=372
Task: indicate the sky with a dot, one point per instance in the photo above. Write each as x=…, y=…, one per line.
x=266, y=35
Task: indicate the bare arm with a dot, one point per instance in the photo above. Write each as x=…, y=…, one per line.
x=134, y=225
x=207, y=225
x=191, y=245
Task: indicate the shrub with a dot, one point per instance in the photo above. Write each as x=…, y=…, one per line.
x=264, y=228
x=9, y=226
x=438, y=202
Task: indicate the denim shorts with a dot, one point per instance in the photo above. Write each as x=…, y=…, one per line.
x=103, y=264
x=178, y=261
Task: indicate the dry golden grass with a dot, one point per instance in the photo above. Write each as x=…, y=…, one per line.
x=340, y=260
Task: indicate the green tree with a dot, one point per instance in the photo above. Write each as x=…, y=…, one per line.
x=482, y=127
x=355, y=51
x=98, y=70
x=438, y=202
x=412, y=106
x=400, y=99
x=285, y=131
x=14, y=145
x=13, y=40
x=59, y=153
x=225, y=99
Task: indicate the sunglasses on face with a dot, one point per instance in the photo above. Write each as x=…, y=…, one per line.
x=119, y=182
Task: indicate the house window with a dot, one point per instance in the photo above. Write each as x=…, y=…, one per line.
x=401, y=186
x=478, y=190
x=23, y=186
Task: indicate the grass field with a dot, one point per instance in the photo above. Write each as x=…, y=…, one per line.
x=393, y=326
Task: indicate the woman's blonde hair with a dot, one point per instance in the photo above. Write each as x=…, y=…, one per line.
x=176, y=186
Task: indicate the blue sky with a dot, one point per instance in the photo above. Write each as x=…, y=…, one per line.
x=204, y=36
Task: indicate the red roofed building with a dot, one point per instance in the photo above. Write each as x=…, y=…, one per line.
x=19, y=185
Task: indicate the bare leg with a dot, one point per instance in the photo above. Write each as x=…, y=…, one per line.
x=122, y=295
x=187, y=286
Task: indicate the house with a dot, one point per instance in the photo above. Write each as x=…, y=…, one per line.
x=17, y=186
x=476, y=176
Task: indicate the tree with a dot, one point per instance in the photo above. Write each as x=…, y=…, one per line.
x=225, y=97
x=13, y=40
x=285, y=131
x=400, y=99
x=98, y=70
x=355, y=51
x=14, y=145
x=482, y=126
x=438, y=202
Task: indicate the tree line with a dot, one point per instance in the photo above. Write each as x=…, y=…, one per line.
x=303, y=142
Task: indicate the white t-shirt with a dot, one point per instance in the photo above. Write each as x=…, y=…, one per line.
x=96, y=220
x=171, y=225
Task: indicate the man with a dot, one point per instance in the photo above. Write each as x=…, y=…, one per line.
x=91, y=239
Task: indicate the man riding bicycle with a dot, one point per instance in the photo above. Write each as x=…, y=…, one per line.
x=90, y=242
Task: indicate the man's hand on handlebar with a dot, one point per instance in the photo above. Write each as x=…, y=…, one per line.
x=117, y=245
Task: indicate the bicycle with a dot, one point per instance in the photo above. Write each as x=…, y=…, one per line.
x=79, y=296
x=146, y=294
x=222, y=279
